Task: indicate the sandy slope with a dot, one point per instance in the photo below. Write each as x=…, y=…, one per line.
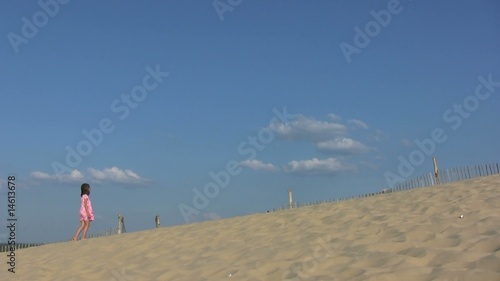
x=412, y=235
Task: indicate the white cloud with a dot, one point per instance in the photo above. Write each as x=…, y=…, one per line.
x=342, y=145
x=115, y=174
x=112, y=175
x=358, y=123
x=41, y=175
x=378, y=135
x=73, y=177
x=329, y=166
x=258, y=165
x=307, y=128
x=334, y=117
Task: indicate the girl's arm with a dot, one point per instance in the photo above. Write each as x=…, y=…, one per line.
x=85, y=203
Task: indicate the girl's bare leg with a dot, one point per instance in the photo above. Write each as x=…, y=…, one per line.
x=85, y=228
x=78, y=231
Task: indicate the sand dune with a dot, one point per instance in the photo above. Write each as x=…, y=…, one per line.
x=412, y=235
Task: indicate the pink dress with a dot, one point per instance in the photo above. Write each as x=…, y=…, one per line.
x=83, y=213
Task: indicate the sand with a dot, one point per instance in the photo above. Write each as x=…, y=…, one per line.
x=412, y=235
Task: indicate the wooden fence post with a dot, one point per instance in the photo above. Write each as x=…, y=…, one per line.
x=157, y=221
x=436, y=170
x=120, y=223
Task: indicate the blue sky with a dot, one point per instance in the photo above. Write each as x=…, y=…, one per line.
x=263, y=94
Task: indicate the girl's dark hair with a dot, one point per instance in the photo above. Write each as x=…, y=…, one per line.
x=85, y=189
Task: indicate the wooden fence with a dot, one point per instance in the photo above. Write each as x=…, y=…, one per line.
x=108, y=232
x=429, y=179
x=464, y=173
x=6, y=247
x=450, y=175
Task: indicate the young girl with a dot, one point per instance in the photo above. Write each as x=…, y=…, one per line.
x=86, y=214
